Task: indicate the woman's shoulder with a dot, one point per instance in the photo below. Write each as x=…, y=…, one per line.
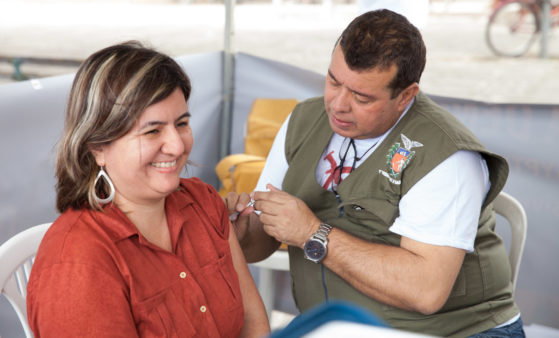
x=61, y=229
x=75, y=237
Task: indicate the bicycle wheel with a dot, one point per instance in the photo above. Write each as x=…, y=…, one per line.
x=512, y=28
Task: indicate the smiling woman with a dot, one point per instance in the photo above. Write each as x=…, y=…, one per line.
x=146, y=162
x=137, y=250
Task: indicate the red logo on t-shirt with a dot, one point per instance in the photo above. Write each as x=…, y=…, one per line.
x=334, y=172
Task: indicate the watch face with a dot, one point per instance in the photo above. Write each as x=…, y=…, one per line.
x=315, y=250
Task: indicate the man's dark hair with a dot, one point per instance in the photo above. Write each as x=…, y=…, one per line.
x=381, y=38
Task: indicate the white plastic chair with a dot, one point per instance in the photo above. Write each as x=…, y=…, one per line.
x=511, y=209
x=16, y=258
x=279, y=260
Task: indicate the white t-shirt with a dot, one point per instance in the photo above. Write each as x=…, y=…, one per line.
x=442, y=208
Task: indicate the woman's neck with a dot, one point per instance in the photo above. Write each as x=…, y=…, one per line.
x=150, y=220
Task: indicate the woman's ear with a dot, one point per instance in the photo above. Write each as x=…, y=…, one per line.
x=98, y=153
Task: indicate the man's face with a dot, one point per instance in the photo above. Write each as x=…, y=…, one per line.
x=359, y=103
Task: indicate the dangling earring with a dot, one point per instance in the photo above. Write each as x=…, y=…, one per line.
x=99, y=200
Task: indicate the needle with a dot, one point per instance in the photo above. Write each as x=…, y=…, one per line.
x=234, y=216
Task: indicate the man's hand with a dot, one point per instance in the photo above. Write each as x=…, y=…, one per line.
x=285, y=217
x=255, y=242
x=239, y=212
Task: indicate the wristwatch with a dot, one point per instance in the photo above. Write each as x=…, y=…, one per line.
x=315, y=248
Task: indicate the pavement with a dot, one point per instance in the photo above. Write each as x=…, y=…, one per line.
x=459, y=64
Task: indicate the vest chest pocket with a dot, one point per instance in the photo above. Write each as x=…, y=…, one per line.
x=371, y=211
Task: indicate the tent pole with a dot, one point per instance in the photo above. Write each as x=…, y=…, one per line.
x=546, y=24
x=228, y=80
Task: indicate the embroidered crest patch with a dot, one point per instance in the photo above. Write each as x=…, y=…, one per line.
x=399, y=157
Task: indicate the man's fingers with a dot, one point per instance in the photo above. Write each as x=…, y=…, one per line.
x=275, y=195
x=238, y=205
x=271, y=187
x=268, y=208
x=230, y=200
x=242, y=202
x=247, y=211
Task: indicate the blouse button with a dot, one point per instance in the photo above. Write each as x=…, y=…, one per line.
x=203, y=308
x=182, y=274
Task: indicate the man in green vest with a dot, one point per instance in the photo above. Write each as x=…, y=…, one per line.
x=383, y=197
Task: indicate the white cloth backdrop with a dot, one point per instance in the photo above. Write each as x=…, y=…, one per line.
x=31, y=118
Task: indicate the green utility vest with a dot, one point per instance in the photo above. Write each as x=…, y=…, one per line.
x=482, y=295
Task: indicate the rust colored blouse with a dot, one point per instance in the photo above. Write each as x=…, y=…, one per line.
x=96, y=275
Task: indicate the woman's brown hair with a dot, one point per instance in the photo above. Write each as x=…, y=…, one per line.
x=109, y=93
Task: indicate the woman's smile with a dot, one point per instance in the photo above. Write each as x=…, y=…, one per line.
x=164, y=164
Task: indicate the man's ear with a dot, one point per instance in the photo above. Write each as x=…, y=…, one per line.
x=407, y=95
x=99, y=154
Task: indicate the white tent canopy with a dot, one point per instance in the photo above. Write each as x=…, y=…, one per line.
x=31, y=119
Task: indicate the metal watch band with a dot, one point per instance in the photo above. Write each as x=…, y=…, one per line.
x=322, y=232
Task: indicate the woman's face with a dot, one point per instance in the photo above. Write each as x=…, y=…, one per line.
x=145, y=164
